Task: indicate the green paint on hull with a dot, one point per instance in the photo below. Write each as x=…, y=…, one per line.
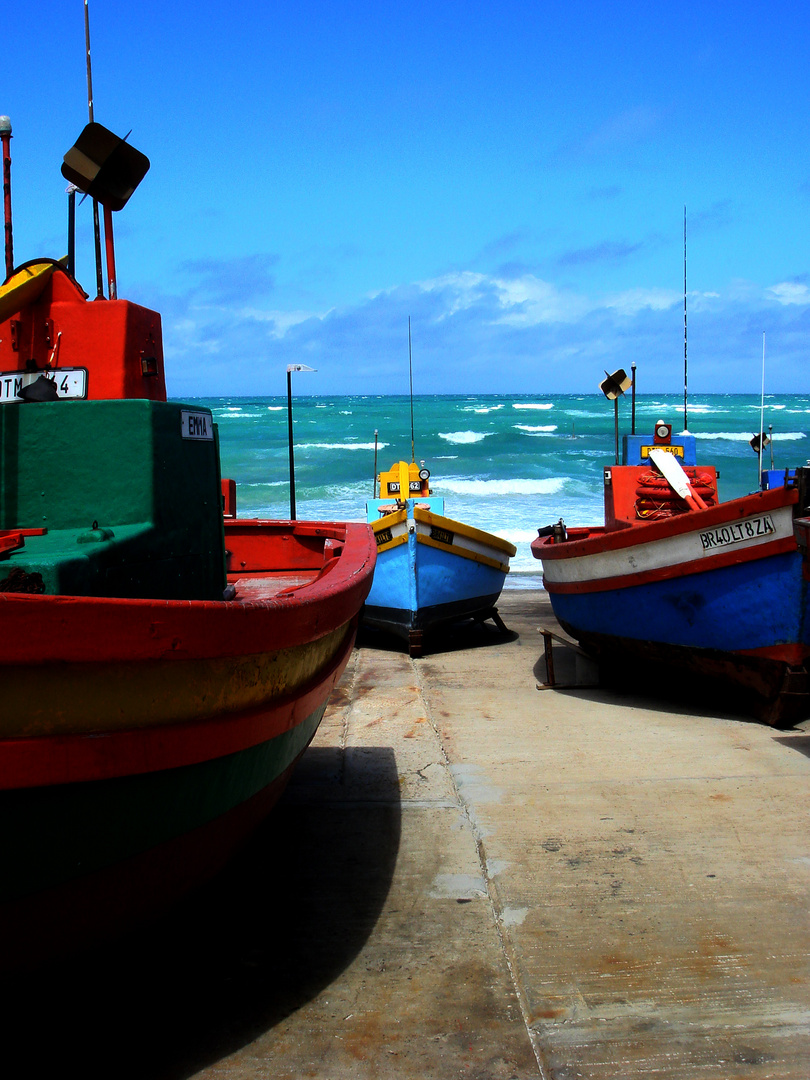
x=127, y=467
x=56, y=834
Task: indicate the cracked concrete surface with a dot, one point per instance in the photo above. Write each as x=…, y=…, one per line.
x=469, y=877
x=586, y=885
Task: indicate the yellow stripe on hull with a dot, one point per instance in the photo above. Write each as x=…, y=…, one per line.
x=392, y=543
x=386, y=525
x=64, y=699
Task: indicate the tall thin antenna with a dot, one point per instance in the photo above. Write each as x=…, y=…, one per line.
x=96, y=223
x=89, y=67
x=762, y=410
x=5, y=138
x=410, y=374
x=685, y=423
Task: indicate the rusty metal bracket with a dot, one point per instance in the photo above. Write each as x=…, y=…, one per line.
x=549, y=637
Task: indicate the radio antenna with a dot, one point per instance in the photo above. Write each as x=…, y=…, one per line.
x=96, y=223
x=762, y=410
x=410, y=375
x=685, y=424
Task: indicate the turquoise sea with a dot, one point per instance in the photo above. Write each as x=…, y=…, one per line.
x=504, y=463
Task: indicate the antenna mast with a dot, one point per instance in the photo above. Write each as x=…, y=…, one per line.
x=685, y=424
x=410, y=375
x=96, y=223
x=762, y=411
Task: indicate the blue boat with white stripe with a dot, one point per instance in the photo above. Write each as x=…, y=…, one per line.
x=430, y=569
x=677, y=577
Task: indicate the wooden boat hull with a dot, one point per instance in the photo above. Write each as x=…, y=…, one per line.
x=147, y=738
x=722, y=590
x=431, y=570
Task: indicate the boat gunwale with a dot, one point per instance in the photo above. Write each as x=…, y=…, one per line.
x=55, y=628
x=600, y=539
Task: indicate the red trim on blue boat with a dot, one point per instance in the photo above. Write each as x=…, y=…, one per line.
x=598, y=541
x=675, y=570
x=790, y=653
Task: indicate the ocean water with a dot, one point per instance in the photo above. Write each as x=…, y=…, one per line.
x=504, y=463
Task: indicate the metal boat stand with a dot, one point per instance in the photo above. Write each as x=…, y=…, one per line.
x=586, y=671
x=415, y=636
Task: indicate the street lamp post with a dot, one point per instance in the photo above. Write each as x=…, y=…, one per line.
x=290, y=369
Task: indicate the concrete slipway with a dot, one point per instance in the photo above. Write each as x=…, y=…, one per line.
x=469, y=877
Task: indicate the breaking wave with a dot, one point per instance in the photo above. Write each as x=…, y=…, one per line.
x=464, y=436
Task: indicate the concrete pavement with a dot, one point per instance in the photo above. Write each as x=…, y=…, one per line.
x=469, y=877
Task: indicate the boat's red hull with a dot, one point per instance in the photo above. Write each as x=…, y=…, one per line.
x=148, y=737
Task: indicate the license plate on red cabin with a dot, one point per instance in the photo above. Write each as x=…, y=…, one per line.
x=70, y=383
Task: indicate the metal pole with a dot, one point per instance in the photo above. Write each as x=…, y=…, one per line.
x=5, y=135
x=290, y=434
x=112, y=285
x=616, y=424
x=89, y=68
x=633, y=423
x=762, y=414
x=410, y=377
x=685, y=424
x=374, y=487
x=96, y=223
x=71, y=194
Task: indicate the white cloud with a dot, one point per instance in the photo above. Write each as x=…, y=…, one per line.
x=282, y=320
x=632, y=301
x=529, y=301
x=522, y=301
x=789, y=292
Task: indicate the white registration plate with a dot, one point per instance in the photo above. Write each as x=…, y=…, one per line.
x=70, y=382
x=725, y=535
x=196, y=425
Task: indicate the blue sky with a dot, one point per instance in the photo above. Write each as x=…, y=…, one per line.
x=512, y=176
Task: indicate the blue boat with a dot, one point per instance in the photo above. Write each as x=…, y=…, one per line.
x=430, y=569
x=675, y=576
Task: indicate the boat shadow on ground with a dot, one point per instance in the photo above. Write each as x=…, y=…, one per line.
x=447, y=638
x=799, y=742
x=656, y=687
x=287, y=915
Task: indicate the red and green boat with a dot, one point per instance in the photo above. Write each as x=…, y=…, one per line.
x=163, y=664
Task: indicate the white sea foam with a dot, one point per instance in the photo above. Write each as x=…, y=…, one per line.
x=261, y=484
x=531, y=428
x=339, y=446
x=548, y=486
x=464, y=436
x=533, y=405
x=481, y=408
x=274, y=408
x=518, y=537
x=746, y=436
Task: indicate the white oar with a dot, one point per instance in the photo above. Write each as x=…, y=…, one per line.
x=670, y=469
